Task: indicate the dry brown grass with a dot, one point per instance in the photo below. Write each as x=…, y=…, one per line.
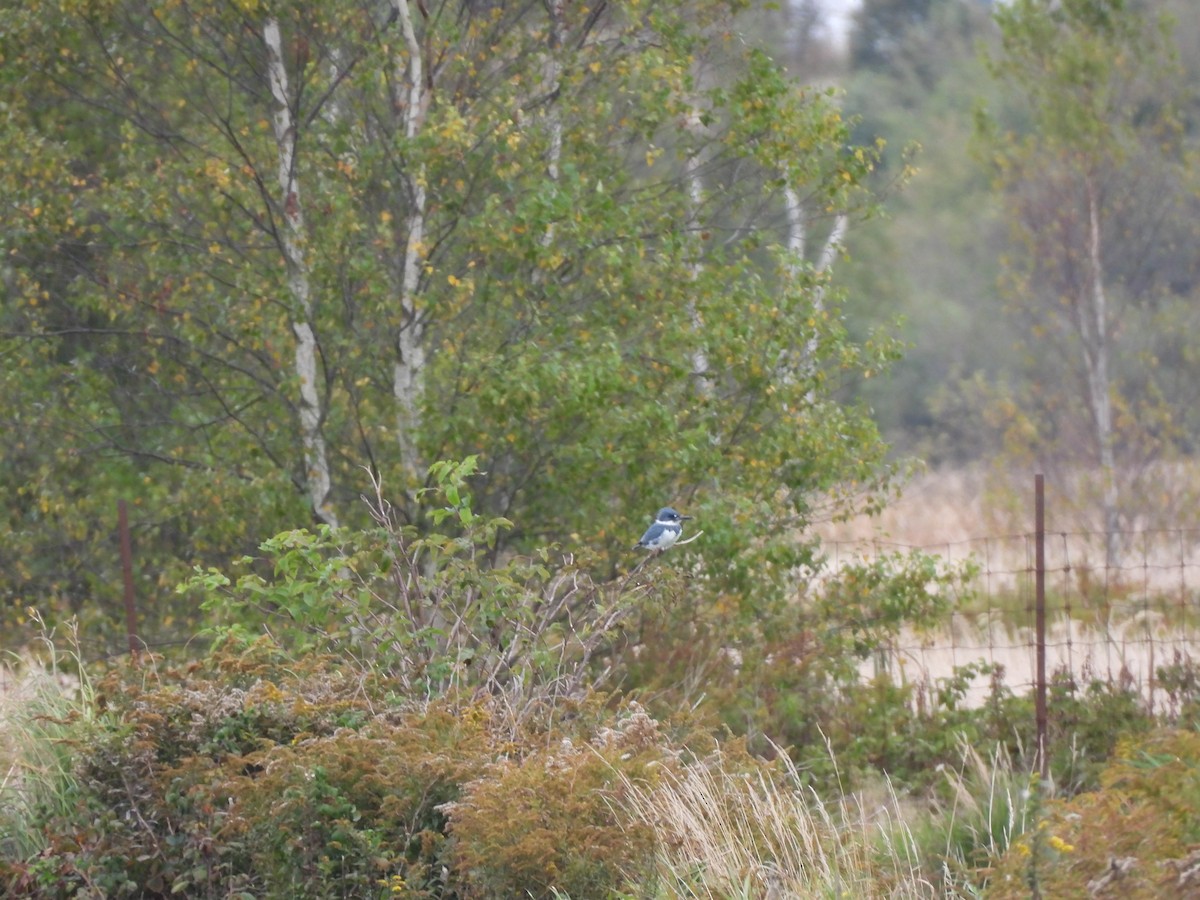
x=724, y=833
x=935, y=508
x=1111, y=619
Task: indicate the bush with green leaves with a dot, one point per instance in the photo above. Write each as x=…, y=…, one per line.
x=434, y=610
x=443, y=616
x=1135, y=835
x=791, y=673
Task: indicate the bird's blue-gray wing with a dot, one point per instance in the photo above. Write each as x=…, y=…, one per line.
x=652, y=534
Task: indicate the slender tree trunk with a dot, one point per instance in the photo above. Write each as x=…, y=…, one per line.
x=316, y=462
x=408, y=381
x=552, y=79
x=797, y=228
x=833, y=246
x=331, y=109
x=1094, y=329
x=695, y=188
x=797, y=245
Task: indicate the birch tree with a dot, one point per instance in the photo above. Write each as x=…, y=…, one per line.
x=409, y=368
x=1102, y=146
x=311, y=238
x=292, y=238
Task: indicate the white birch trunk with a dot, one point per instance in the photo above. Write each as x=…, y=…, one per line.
x=797, y=245
x=1094, y=330
x=316, y=461
x=695, y=187
x=797, y=227
x=552, y=79
x=833, y=246
x=331, y=111
x=829, y=255
x=408, y=377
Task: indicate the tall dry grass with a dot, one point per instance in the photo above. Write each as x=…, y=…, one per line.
x=723, y=833
x=986, y=806
x=42, y=698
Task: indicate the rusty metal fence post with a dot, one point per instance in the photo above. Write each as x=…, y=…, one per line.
x=127, y=574
x=1039, y=576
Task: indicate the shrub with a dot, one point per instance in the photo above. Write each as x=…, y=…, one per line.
x=341, y=814
x=161, y=770
x=433, y=611
x=1135, y=837
x=551, y=821
x=1087, y=723
x=792, y=676
x=257, y=774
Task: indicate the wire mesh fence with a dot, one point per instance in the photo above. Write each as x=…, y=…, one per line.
x=1117, y=617
x=1119, y=608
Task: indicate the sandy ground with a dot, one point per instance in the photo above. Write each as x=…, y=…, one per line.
x=1129, y=654
x=1113, y=621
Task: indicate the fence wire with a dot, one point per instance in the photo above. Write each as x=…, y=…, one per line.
x=1119, y=608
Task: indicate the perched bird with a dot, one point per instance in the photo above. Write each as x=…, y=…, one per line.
x=665, y=531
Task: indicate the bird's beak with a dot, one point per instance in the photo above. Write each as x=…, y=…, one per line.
x=685, y=517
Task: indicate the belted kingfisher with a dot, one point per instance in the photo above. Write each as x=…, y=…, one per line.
x=665, y=531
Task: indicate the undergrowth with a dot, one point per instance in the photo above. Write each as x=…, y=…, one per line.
x=44, y=705
x=396, y=714
x=257, y=774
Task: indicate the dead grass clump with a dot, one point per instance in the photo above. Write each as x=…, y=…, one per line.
x=731, y=828
x=40, y=705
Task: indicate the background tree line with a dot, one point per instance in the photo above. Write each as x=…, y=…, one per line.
x=1036, y=340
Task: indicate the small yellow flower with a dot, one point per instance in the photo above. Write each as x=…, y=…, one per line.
x=395, y=884
x=1060, y=845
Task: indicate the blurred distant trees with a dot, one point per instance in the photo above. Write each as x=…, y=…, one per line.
x=987, y=263
x=883, y=31
x=1097, y=183
x=933, y=259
